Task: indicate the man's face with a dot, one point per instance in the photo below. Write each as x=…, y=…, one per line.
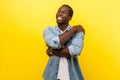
x=62, y=16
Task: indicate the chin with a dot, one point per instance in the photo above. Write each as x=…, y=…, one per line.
x=60, y=22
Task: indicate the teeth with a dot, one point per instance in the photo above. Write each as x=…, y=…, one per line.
x=60, y=18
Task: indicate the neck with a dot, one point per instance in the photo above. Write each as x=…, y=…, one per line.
x=62, y=26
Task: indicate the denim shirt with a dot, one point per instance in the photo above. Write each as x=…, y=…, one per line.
x=75, y=45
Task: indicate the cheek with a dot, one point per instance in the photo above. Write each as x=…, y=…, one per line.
x=65, y=15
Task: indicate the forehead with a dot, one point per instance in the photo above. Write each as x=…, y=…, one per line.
x=64, y=8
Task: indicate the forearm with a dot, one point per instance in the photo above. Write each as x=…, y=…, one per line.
x=66, y=36
x=64, y=52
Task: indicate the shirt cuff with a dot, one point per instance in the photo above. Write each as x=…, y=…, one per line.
x=71, y=50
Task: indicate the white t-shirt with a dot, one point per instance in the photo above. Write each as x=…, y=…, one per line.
x=63, y=71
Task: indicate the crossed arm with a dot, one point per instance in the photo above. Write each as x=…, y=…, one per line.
x=64, y=52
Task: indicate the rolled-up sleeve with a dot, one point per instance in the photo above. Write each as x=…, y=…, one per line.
x=51, y=39
x=76, y=45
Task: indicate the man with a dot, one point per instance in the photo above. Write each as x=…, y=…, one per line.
x=64, y=45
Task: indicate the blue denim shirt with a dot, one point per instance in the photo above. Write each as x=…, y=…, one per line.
x=75, y=45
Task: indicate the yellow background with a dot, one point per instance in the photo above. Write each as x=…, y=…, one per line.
x=22, y=48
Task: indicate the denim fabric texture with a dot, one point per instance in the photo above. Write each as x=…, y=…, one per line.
x=75, y=45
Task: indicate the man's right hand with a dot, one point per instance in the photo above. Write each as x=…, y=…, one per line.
x=79, y=28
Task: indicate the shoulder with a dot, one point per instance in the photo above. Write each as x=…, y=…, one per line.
x=79, y=35
x=48, y=28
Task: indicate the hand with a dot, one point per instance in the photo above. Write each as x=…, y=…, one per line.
x=48, y=52
x=79, y=28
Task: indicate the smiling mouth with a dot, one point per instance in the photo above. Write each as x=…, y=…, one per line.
x=59, y=18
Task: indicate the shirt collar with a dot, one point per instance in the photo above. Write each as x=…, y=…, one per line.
x=67, y=29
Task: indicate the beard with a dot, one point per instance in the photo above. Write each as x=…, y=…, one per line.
x=62, y=22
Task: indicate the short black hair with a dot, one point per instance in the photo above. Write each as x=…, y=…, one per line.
x=70, y=11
